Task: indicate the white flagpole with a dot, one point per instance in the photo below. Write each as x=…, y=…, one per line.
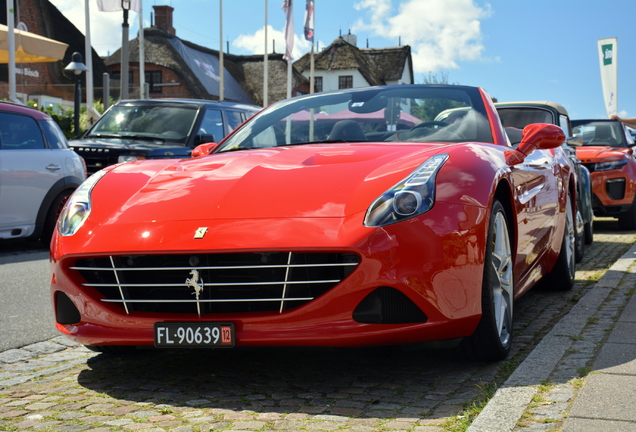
x=221, y=71
x=11, y=40
x=310, y=22
x=88, y=61
x=608, y=58
x=311, y=71
x=310, y=19
x=142, y=55
x=123, y=75
x=289, y=79
x=289, y=42
x=265, y=67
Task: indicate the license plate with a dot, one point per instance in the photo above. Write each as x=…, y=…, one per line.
x=193, y=335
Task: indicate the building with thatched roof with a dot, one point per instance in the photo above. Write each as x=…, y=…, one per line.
x=178, y=68
x=343, y=65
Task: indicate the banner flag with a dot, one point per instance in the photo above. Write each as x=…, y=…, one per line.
x=309, y=21
x=116, y=5
x=608, y=57
x=289, y=29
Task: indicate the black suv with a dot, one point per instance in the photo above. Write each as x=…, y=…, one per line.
x=157, y=129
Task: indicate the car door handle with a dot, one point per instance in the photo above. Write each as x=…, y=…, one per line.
x=53, y=167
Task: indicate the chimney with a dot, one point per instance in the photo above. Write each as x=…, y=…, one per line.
x=163, y=18
x=352, y=39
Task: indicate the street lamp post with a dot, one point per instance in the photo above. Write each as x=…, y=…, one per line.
x=77, y=66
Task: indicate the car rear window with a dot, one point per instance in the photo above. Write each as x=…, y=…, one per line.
x=54, y=134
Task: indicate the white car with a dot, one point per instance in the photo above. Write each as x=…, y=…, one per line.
x=38, y=172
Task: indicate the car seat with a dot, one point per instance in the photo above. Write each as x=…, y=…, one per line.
x=603, y=136
x=347, y=130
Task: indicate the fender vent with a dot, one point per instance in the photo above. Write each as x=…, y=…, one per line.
x=387, y=305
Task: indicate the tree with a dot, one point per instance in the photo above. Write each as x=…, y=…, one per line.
x=428, y=109
x=442, y=78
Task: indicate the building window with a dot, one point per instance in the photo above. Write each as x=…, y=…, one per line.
x=153, y=78
x=117, y=76
x=345, y=82
x=317, y=84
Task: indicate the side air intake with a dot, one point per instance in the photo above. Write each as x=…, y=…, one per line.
x=65, y=310
x=387, y=305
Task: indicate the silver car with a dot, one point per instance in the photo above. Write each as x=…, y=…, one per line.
x=38, y=172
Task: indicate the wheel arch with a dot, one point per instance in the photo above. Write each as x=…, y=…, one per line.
x=503, y=193
x=574, y=193
x=62, y=185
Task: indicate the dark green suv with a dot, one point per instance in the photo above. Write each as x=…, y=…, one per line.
x=157, y=129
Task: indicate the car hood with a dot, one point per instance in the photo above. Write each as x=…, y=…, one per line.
x=308, y=181
x=588, y=154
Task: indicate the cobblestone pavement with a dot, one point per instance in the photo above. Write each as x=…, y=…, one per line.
x=59, y=386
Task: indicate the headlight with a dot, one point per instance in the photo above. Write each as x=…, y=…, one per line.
x=130, y=158
x=78, y=206
x=606, y=166
x=411, y=197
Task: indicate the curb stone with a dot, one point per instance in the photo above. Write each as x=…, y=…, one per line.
x=504, y=410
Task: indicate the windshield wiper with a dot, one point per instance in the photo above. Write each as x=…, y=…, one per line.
x=144, y=138
x=104, y=136
x=135, y=137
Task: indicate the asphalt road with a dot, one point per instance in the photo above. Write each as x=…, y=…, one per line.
x=26, y=315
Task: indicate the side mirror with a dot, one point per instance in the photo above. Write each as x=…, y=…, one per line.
x=203, y=138
x=540, y=136
x=575, y=142
x=204, y=149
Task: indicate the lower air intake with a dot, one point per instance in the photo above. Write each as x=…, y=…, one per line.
x=387, y=305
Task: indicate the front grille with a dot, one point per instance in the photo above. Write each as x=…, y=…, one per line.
x=590, y=166
x=97, y=158
x=215, y=283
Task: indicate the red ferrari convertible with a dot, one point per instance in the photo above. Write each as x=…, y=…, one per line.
x=344, y=218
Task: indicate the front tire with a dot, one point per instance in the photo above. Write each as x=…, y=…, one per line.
x=579, y=250
x=627, y=222
x=589, y=232
x=492, y=339
x=51, y=217
x=561, y=278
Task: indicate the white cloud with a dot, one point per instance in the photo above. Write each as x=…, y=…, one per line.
x=106, y=27
x=255, y=43
x=440, y=32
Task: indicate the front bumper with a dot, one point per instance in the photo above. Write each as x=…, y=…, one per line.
x=430, y=265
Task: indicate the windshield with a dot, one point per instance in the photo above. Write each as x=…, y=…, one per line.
x=601, y=133
x=377, y=114
x=153, y=122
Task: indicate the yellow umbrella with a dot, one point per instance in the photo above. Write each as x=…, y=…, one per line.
x=30, y=47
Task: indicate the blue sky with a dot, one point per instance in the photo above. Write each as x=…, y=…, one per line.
x=515, y=49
